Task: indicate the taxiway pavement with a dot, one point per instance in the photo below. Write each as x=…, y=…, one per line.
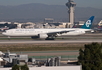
x=49, y=41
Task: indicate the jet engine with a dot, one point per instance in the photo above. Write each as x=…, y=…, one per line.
x=41, y=36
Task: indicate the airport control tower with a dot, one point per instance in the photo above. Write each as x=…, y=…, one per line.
x=71, y=4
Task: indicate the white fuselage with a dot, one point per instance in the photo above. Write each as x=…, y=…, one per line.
x=35, y=32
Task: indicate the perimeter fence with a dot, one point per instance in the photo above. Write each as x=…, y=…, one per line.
x=63, y=57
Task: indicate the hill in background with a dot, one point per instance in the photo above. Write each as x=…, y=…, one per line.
x=37, y=12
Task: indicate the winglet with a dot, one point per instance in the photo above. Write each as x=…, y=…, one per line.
x=88, y=23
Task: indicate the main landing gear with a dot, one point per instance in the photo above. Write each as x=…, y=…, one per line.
x=9, y=37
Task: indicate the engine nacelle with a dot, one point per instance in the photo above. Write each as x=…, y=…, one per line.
x=42, y=35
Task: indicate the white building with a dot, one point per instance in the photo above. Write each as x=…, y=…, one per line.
x=5, y=22
x=26, y=25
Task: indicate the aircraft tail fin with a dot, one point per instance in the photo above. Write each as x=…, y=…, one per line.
x=100, y=22
x=88, y=23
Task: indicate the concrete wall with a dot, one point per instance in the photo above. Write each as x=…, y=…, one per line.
x=51, y=68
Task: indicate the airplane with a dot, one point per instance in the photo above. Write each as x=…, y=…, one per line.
x=50, y=33
x=98, y=28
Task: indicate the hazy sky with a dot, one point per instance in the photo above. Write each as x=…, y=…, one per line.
x=80, y=3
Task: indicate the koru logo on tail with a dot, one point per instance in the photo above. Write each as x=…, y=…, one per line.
x=88, y=23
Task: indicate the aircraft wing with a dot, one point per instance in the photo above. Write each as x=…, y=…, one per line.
x=59, y=32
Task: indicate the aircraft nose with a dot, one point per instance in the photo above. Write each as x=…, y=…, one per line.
x=3, y=33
